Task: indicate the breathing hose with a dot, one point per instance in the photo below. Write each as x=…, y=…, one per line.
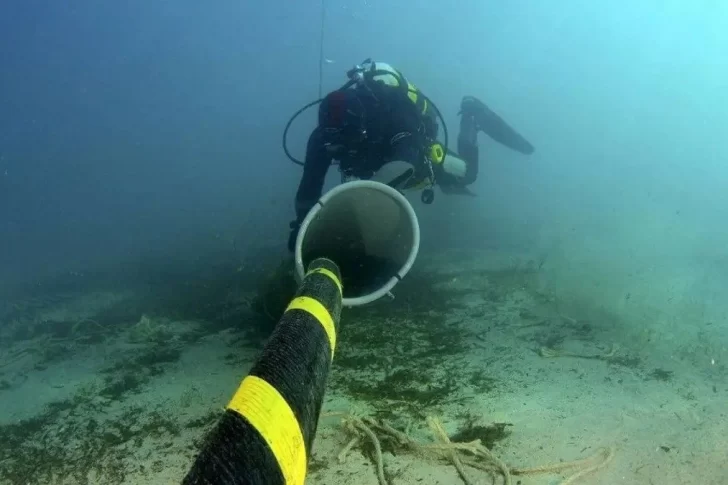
x=346, y=86
x=288, y=126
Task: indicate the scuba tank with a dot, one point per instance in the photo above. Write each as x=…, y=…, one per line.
x=363, y=76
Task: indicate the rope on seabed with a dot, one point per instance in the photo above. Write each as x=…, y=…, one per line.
x=473, y=454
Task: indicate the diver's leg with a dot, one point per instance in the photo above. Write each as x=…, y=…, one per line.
x=460, y=169
x=493, y=125
x=468, y=146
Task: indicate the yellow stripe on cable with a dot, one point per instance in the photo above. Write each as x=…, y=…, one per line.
x=320, y=313
x=331, y=275
x=269, y=413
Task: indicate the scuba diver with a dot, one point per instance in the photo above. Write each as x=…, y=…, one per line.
x=378, y=118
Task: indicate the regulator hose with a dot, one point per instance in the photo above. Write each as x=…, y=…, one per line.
x=288, y=126
x=346, y=86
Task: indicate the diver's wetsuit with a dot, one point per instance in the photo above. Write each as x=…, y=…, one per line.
x=365, y=130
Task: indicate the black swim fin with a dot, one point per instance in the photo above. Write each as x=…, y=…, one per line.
x=494, y=126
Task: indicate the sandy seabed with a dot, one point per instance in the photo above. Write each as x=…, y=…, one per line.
x=478, y=341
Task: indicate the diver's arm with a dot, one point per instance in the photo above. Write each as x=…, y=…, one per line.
x=315, y=167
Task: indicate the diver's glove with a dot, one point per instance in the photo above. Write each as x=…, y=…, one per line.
x=295, y=227
x=493, y=125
